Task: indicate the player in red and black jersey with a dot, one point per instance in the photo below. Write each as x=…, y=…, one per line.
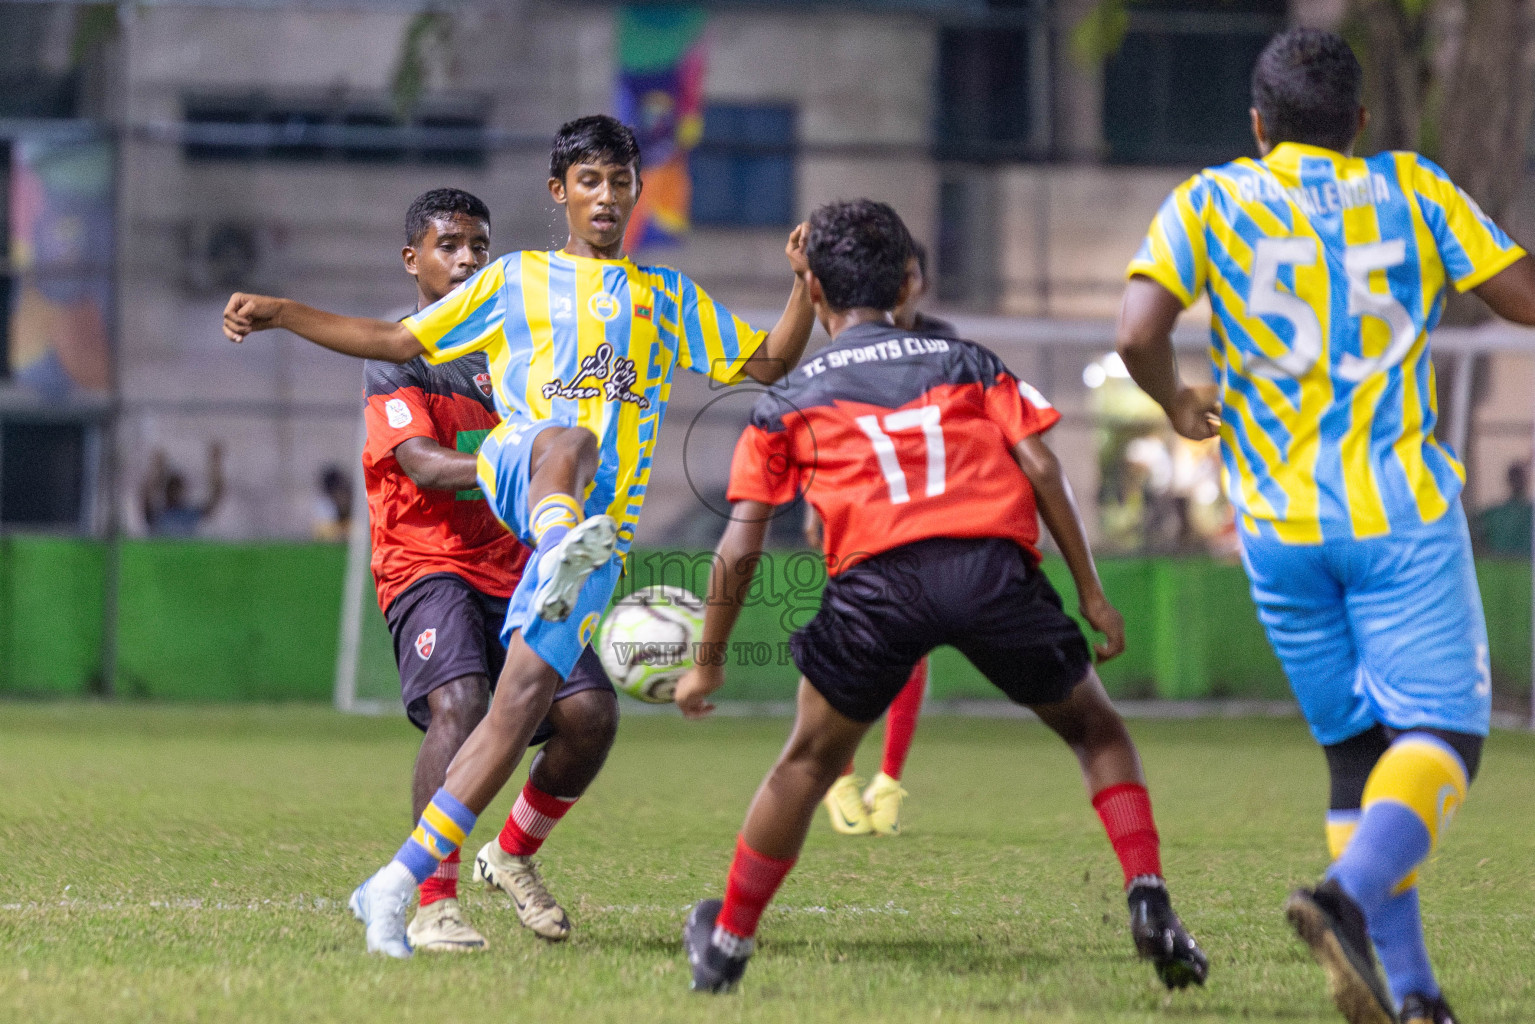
x=923, y=457
x=856, y=810
x=445, y=568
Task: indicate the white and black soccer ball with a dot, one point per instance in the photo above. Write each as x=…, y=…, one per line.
x=648, y=640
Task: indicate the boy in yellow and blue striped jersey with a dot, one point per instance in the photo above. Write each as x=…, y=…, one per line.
x=582, y=344
x=1325, y=272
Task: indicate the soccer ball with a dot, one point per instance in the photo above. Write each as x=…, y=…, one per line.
x=647, y=641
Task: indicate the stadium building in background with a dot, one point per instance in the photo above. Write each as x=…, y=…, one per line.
x=159, y=155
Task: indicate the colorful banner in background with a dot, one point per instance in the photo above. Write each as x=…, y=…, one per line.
x=61, y=252
x=661, y=60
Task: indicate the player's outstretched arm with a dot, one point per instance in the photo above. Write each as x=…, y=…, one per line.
x=432, y=467
x=350, y=335
x=1145, y=341
x=1511, y=292
x=785, y=343
x=735, y=563
x=1058, y=508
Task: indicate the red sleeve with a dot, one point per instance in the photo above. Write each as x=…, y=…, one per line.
x=1020, y=409
x=392, y=418
x=762, y=469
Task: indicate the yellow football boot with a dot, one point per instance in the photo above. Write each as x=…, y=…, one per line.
x=883, y=801
x=844, y=804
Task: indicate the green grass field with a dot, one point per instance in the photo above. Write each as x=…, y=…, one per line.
x=173, y=864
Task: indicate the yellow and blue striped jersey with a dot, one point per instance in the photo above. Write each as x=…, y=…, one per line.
x=592, y=343
x=1325, y=274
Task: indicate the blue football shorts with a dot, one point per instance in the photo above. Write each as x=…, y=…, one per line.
x=1385, y=630
x=505, y=460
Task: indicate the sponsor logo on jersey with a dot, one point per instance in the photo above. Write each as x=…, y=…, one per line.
x=643, y=312
x=397, y=412
x=603, y=306
x=616, y=374
x=426, y=643
x=562, y=308
x=482, y=381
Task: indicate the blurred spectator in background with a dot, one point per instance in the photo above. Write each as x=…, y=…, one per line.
x=333, y=506
x=1504, y=529
x=163, y=497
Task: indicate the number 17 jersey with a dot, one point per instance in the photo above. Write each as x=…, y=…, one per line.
x=1325, y=274
x=894, y=438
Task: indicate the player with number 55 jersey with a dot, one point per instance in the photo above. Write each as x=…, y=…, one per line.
x=1325, y=273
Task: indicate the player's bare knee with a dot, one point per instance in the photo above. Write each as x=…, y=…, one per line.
x=517, y=702
x=458, y=706
x=589, y=720
x=567, y=448
x=818, y=758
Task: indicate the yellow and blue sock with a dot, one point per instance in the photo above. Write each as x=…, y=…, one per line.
x=552, y=518
x=443, y=827
x=1410, y=798
x=1396, y=929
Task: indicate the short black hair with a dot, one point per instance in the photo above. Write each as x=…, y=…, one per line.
x=858, y=250
x=441, y=202
x=1307, y=87
x=594, y=137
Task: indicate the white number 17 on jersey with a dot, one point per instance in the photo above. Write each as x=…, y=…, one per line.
x=927, y=417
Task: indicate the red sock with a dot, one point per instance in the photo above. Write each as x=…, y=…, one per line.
x=441, y=884
x=533, y=816
x=849, y=769
x=901, y=724
x=1125, y=811
x=753, y=881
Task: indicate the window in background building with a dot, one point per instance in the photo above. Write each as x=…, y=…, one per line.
x=1178, y=88
x=968, y=274
x=994, y=84
x=30, y=86
x=443, y=130
x=743, y=167
x=42, y=474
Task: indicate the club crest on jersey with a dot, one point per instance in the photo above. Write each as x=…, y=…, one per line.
x=426, y=643
x=603, y=306
x=482, y=381
x=617, y=374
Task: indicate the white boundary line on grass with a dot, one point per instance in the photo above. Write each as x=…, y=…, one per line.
x=1148, y=710
x=327, y=905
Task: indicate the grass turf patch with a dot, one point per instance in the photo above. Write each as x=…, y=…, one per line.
x=192, y=864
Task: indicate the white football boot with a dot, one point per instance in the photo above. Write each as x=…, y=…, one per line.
x=564, y=569
x=440, y=927
x=518, y=877
x=379, y=903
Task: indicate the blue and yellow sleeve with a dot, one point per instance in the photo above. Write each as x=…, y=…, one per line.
x=712, y=340
x=467, y=320
x=1472, y=247
x=1174, y=252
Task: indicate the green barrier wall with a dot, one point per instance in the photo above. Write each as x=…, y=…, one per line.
x=208, y=621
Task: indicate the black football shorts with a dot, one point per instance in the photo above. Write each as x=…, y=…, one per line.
x=444, y=630
x=985, y=597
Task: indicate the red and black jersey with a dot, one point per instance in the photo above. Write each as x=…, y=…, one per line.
x=895, y=438
x=415, y=531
